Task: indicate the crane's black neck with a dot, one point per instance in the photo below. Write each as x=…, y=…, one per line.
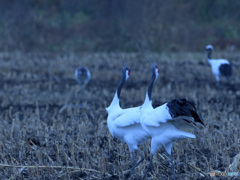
x=121, y=84
x=209, y=54
x=150, y=86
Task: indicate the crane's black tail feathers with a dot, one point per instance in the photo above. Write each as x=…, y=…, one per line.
x=225, y=70
x=183, y=107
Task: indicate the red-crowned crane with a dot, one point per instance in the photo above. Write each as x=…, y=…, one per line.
x=220, y=67
x=124, y=124
x=166, y=125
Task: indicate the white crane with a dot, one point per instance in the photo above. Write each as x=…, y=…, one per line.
x=220, y=67
x=124, y=124
x=166, y=125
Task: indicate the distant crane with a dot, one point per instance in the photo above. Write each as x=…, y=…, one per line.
x=167, y=123
x=220, y=67
x=82, y=75
x=124, y=124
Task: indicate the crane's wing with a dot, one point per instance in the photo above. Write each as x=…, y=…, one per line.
x=156, y=116
x=128, y=117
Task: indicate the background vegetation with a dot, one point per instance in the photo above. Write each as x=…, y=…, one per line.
x=119, y=25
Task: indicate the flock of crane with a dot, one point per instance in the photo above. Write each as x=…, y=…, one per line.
x=164, y=124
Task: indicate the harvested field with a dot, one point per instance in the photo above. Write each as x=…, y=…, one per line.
x=51, y=128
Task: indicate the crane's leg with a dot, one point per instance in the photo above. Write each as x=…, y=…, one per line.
x=218, y=82
x=172, y=165
x=133, y=164
x=142, y=158
x=149, y=166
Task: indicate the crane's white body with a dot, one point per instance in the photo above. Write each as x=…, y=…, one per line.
x=124, y=124
x=215, y=65
x=163, y=129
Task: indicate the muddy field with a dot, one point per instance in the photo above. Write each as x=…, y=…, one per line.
x=52, y=128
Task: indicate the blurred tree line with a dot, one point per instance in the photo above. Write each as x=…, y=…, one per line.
x=119, y=25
